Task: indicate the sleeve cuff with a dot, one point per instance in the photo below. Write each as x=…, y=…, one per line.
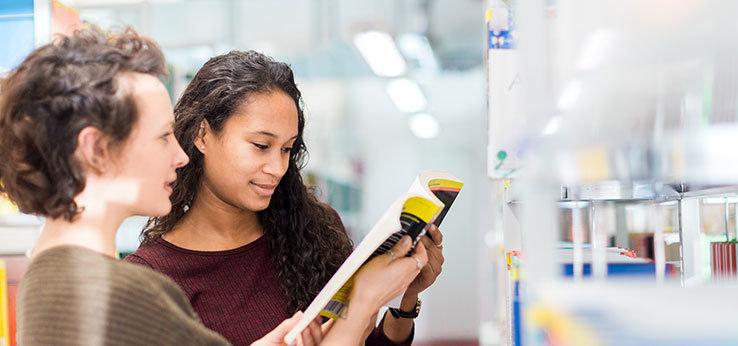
x=378, y=338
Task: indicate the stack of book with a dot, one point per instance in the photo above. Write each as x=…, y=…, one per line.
x=723, y=258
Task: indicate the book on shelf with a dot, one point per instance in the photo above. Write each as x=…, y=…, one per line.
x=426, y=203
x=613, y=254
x=723, y=256
x=621, y=262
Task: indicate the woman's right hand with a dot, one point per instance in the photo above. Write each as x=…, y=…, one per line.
x=387, y=276
x=375, y=284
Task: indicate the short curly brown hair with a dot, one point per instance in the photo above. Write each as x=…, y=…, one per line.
x=58, y=90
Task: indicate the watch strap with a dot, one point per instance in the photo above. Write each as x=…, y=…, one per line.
x=397, y=313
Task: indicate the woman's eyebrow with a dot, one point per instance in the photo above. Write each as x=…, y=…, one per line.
x=269, y=134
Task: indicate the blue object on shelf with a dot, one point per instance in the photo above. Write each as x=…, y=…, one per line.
x=16, y=7
x=516, y=314
x=617, y=269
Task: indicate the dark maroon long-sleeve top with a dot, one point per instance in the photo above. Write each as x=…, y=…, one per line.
x=235, y=292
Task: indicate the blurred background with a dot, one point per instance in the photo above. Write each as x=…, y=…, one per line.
x=390, y=87
x=596, y=140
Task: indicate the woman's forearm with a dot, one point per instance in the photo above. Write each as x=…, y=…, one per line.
x=349, y=329
x=398, y=329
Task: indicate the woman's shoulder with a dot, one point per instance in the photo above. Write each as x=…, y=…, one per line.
x=70, y=287
x=84, y=269
x=147, y=253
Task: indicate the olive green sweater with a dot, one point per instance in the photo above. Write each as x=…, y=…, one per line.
x=74, y=296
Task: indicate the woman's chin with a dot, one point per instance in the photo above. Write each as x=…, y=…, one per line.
x=257, y=206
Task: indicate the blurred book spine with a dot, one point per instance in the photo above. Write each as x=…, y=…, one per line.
x=723, y=258
x=4, y=320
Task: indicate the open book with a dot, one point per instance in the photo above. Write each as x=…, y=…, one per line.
x=427, y=202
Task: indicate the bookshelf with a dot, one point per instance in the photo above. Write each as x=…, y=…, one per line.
x=628, y=140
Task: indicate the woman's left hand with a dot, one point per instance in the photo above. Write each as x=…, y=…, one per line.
x=430, y=272
x=311, y=336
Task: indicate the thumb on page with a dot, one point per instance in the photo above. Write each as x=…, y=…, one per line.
x=403, y=246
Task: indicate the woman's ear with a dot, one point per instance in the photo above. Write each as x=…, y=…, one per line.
x=202, y=133
x=93, y=149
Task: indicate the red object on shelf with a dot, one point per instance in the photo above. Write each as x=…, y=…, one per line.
x=724, y=260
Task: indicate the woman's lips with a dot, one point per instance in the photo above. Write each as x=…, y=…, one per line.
x=168, y=184
x=264, y=190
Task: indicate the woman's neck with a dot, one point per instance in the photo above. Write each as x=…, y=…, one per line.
x=211, y=224
x=94, y=228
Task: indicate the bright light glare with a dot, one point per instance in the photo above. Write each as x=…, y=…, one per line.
x=552, y=126
x=598, y=46
x=424, y=126
x=380, y=52
x=406, y=95
x=570, y=95
x=417, y=47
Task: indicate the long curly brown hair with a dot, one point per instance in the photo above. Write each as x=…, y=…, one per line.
x=308, y=242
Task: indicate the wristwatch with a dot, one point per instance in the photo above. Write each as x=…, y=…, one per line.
x=397, y=313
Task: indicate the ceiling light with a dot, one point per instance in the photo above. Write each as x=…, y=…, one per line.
x=380, y=52
x=569, y=95
x=598, y=46
x=424, y=126
x=417, y=49
x=552, y=126
x=406, y=95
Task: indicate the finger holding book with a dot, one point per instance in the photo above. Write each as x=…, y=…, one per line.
x=388, y=275
x=376, y=283
x=398, y=329
x=428, y=275
x=426, y=203
x=311, y=336
x=435, y=236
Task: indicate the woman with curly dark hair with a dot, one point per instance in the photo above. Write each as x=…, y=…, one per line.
x=245, y=234
x=86, y=140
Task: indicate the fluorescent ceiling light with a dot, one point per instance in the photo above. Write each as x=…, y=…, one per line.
x=424, y=126
x=406, y=95
x=417, y=48
x=380, y=52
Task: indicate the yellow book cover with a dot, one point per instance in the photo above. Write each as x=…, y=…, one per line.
x=426, y=202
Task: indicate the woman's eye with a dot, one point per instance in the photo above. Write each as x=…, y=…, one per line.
x=287, y=149
x=261, y=146
x=165, y=136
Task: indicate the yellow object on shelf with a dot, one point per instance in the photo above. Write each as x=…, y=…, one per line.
x=561, y=328
x=4, y=319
